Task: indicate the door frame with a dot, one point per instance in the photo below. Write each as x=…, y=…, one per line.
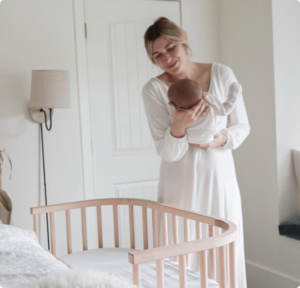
x=83, y=99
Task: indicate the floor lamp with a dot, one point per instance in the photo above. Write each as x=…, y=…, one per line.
x=49, y=89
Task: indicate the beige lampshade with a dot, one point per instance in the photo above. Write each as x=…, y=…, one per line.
x=50, y=89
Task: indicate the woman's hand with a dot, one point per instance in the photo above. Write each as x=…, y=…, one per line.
x=182, y=118
x=219, y=140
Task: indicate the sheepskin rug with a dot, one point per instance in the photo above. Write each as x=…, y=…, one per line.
x=80, y=279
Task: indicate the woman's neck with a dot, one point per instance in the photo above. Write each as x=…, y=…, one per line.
x=189, y=71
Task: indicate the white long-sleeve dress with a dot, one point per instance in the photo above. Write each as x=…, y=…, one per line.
x=194, y=179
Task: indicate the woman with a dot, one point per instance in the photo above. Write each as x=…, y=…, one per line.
x=194, y=177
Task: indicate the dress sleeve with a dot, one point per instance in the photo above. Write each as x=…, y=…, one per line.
x=169, y=148
x=238, y=127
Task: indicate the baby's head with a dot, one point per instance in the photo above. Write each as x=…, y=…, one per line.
x=185, y=93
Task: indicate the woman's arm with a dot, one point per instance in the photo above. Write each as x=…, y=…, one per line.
x=238, y=127
x=169, y=137
x=168, y=147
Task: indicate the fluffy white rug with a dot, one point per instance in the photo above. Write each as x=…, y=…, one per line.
x=22, y=259
x=80, y=279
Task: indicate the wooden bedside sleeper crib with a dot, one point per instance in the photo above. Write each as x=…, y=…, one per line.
x=223, y=244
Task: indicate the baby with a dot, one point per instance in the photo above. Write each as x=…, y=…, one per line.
x=186, y=93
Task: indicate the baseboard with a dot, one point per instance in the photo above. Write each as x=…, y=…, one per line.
x=262, y=277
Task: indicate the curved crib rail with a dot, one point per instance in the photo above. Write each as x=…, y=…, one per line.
x=181, y=251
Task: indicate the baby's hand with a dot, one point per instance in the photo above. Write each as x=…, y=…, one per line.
x=182, y=118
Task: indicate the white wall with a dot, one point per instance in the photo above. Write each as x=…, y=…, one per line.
x=286, y=39
x=200, y=19
x=247, y=46
x=37, y=34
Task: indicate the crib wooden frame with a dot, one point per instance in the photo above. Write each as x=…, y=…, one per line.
x=224, y=243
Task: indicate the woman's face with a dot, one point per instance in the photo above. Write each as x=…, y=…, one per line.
x=169, y=56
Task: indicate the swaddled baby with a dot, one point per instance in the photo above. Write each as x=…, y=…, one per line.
x=186, y=93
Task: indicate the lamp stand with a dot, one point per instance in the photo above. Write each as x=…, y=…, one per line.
x=44, y=170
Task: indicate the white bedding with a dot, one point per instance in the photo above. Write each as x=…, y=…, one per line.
x=115, y=260
x=22, y=259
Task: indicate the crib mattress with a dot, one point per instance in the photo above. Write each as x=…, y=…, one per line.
x=115, y=260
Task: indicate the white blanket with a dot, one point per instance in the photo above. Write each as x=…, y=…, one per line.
x=22, y=259
x=80, y=279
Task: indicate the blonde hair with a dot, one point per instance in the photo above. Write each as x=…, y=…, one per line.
x=163, y=27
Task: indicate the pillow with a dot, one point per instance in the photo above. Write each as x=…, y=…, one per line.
x=296, y=159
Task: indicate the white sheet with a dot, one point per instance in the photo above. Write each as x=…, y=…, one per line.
x=115, y=260
x=22, y=259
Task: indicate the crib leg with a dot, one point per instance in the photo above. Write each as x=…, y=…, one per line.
x=222, y=267
x=137, y=275
x=160, y=273
x=203, y=269
x=232, y=272
x=182, y=271
x=227, y=265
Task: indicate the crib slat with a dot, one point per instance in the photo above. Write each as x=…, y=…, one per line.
x=227, y=266
x=154, y=224
x=69, y=238
x=131, y=221
x=198, y=236
x=165, y=228
x=137, y=275
x=232, y=271
x=99, y=222
x=36, y=225
x=160, y=273
x=212, y=256
x=175, y=231
x=203, y=269
x=186, y=238
x=145, y=228
x=52, y=229
x=182, y=271
x=116, y=226
x=222, y=267
x=202, y=259
x=83, y=223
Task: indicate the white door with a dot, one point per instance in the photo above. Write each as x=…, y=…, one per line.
x=124, y=158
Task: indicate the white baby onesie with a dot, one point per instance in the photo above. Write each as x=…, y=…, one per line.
x=203, y=131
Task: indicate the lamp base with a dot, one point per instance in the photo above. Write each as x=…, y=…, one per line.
x=39, y=116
